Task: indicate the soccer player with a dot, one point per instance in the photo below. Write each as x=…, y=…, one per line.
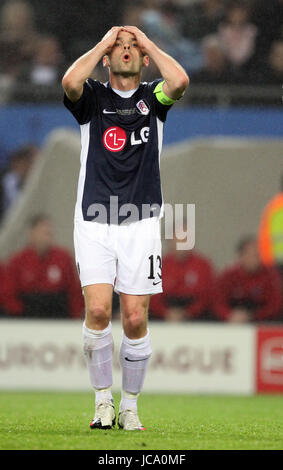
x=121, y=134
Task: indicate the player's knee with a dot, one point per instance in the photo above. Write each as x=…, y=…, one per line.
x=98, y=315
x=135, y=320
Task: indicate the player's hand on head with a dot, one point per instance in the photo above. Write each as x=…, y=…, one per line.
x=142, y=40
x=110, y=38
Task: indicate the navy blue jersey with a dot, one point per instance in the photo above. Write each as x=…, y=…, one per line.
x=121, y=146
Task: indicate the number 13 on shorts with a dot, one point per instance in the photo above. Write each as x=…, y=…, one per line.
x=139, y=258
x=155, y=268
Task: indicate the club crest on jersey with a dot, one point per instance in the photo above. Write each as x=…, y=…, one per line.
x=142, y=107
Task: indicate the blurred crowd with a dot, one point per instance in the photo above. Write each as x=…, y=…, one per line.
x=250, y=289
x=217, y=41
x=245, y=291
x=41, y=280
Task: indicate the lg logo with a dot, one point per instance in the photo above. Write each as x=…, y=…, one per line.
x=115, y=138
x=144, y=133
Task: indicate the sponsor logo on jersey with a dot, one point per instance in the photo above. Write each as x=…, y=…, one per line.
x=114, y=139
x=142, y=107
x=140, y=137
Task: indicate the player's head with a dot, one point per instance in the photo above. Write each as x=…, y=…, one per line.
x=125, y=58
x=41, y=232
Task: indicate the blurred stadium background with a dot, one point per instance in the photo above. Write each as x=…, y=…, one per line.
x=223, y=152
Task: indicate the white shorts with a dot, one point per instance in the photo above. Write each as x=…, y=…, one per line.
x=126, y=256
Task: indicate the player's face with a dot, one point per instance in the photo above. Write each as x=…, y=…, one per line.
x=126, y=58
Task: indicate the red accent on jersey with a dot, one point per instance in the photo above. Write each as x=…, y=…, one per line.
x=114, y=139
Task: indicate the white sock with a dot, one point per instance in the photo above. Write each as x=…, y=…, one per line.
x=129, y=401
x=98, y=346
x=134, y=359
x=103, y=395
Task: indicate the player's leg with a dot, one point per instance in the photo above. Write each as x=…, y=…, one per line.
x=98, y=305
x=138, y=276
x=98, y=347
x=135, y=354
x=97, y=335
x=97, y=269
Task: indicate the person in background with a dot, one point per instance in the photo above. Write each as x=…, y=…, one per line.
x=18, y=36
x=216, y=69
x=64, y=19
x=200, y=19
x=46, y=67
x=42, y=281
x=270, y=236
x=13, y=180
x=247, y=291
x=269, y=70
x=188, y=278
x=237, y=35
x=268, y=17
x=273, y=73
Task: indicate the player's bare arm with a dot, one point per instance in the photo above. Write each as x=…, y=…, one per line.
x=176, y=78
x=83, y=67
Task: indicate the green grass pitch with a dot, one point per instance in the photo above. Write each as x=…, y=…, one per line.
x=49, y=420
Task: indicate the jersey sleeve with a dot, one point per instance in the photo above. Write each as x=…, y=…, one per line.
x=162, y=103
x=84, y=108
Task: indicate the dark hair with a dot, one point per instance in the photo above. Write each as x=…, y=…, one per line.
x=37, y=219
x=238, y=4
x=243, y=242
x=235, y=4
